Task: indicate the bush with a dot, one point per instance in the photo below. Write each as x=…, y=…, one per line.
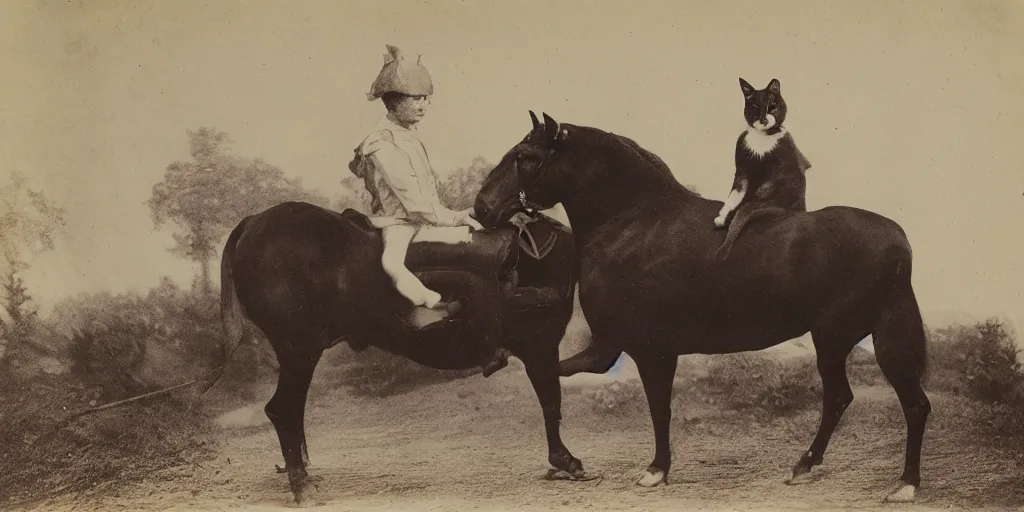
x=624, y=397
x=94, y=453
x=979, y=361
x=111, y=356
x=753, y=381
x=377, y=373
x=131, y=343
x=862, y=369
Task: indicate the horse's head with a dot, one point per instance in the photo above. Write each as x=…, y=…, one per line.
x=526, y=178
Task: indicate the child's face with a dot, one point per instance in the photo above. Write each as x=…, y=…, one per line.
x=411, y=109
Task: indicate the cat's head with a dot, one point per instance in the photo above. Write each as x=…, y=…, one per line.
x=764, y=109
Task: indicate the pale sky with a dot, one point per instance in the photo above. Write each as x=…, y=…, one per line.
x=910, y=109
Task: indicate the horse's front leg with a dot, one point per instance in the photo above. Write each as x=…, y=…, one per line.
x=543, y=372
x=657, y=372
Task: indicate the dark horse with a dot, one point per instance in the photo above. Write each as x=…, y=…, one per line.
x=650, y=287
x=311, y=278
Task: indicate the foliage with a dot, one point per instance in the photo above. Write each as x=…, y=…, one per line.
x=745, y=381
x=378, y=373
x=862, y=369
x=459, y=189
x=980, y=361
x=94, y=454
x=206, y=197
x=751, y=380
x=625, y=397
x=353, y=195
x=29, y=223
x=130, y=343
x=21, y=319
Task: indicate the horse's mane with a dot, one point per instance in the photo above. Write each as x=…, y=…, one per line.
x=652, y=159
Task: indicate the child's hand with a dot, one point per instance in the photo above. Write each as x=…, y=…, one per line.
x=464, y=218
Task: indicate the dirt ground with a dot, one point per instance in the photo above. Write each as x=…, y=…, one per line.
x=478, y=444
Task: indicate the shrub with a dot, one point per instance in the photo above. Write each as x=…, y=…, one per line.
x=862, y=369
x=753, y=381
x=979, y=361
x=128, y=343
x=623, y=397
x=94, y=453
x=111, y=356
x=379, y=373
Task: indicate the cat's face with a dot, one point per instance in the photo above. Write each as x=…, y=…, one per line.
x=764, y=109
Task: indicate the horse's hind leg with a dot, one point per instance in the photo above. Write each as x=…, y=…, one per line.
x=286, y=410
x=901, y=352
x=832, y=349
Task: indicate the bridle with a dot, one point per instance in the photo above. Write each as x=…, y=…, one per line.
x=531, y=214
x=530, y=206
x=521, y=219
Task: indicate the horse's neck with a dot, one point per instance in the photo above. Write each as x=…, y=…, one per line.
x=591, y=213
x=628, y=181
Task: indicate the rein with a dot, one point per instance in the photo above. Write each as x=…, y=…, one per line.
x=527, y=242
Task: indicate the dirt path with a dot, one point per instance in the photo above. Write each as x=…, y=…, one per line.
x=479, y=445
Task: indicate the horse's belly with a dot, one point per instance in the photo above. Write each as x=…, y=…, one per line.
x=739, y=340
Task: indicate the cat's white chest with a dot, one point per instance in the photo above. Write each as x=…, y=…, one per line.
x=760, y=143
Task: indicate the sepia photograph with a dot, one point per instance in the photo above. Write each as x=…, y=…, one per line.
x=442, y=255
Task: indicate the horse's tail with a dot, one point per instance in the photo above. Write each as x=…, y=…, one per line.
x=901, y=329
x=231, y=313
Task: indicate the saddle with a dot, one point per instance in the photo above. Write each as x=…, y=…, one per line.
x=491, y=255
x=485, y=254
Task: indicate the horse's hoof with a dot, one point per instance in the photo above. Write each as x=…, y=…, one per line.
x=575, y=476
x=904, y=494
x=802, y=478
x=557, y=474
x=651, y=478
x=307, y=495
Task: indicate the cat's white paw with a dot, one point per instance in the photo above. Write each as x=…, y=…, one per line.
x=719, y=221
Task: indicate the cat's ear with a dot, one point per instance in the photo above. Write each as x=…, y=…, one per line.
x=774, y=86
x=748, y=90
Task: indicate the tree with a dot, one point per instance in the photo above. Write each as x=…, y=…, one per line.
x=29, y=222
x=354, y=195
x=460, y=188
x=206, y=197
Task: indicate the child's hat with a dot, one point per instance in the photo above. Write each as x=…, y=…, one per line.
x=402, y=76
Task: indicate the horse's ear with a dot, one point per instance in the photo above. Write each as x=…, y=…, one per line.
x=533, y=117
x=550, y=126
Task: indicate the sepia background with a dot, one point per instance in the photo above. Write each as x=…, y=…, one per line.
x=908, y=109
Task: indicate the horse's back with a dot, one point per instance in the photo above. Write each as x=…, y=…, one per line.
x=849, y=228
x=300, y=261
